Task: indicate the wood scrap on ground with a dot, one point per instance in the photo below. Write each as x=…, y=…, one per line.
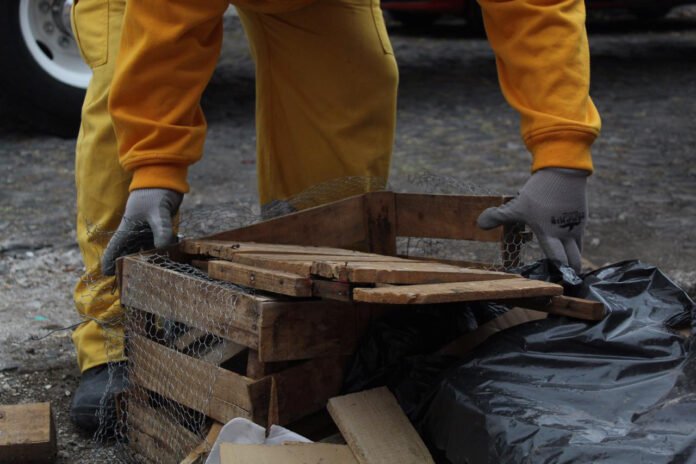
x=27, y=433
x=289, y=453
x=376, y=428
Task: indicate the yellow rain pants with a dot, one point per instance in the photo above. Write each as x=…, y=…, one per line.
x=326, y=109
x=102, y=185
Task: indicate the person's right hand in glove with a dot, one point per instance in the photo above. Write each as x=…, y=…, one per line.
x=146, y=223
x=553, y=204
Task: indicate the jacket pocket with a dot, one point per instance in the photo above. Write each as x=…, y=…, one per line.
x=378, y=18
x=90, y=23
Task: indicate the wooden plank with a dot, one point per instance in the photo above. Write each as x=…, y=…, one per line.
x=27, y=433
x=457, y=291
x=403, y=272
x=376, y=429
x=280, y=282
x=229, y=313
x=445, y=216
x=308, y=329
x=166, y=436
x=380, y=221
x=313, y=226
x=301, y=264
x=305, y=388
x=577, y=308
x=289, y=453
x=228, y=250
x=213, y=391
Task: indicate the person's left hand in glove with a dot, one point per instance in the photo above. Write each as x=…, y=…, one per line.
x=553, y=204
x=147, y=222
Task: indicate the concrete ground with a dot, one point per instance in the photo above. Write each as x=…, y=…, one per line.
x=454, y=129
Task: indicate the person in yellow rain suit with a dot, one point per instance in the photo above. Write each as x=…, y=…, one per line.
x=326, y=109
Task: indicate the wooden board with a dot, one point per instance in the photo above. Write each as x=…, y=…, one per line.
x=153, y=433
x=298, y=453
x=211, y=390
x=280, y=282
x=305, y=388
x=404, y=272
x=302, y=263
x=577, y=308
x=230, y=249
x=27, y=433
x=313, y=226
x=445, y=216
x=457, y=291
x=377, y=430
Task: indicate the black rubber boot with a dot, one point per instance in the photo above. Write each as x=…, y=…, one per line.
x=94, y=404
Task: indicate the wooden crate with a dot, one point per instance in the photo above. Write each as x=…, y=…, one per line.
x=288, y=316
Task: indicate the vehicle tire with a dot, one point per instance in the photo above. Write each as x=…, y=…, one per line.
x=415, y=18
x=651, y=13
x=43, y=76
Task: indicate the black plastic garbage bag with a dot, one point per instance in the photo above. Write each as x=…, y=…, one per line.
x=622, y=390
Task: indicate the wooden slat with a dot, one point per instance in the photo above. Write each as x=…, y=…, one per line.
x=222, y=351
x=444, y=216
x=403, y=272
x=380, y=221
x=308, y=329
x=213, y=391
x=577, y=308
x=314, y=226
x=377, y=430
x=280, y=282
x=175, y=296
x=457, y=291
x=305, y=388
x=228, y=250
x=27, y=433
x=301, y=264
x=289, y=453
x=165, y=437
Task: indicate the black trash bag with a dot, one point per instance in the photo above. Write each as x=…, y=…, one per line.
x=394, y=347
x=558, y=390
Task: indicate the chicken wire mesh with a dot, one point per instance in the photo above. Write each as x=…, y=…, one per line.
x=147, y=426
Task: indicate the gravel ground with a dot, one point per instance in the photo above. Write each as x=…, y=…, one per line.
x=453, y=123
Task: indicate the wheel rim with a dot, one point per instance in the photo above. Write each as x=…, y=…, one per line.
x=47, y=34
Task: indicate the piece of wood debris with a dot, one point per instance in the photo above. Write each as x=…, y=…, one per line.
x=376, y=428
x=27, y=434
x=289, y=453
x=457, y=292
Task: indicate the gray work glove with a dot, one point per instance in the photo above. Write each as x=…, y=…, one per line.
x=553, y=204
x=146, y=223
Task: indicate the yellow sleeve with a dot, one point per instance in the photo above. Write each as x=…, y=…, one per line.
x=168, y=54
x=543, y=61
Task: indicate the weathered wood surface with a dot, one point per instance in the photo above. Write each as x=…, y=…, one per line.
x=457, y=292
x=289, y=453
x=305, y=388
x=273, y=281
x=27, y=433
x=211, y=390
x=380, y=222
x=314, y=226
x=445, y=216
x=376, y=429
x=577, y=308
x=228, y=250
x=403, y=272
x=153, y=434
x=198, y=455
